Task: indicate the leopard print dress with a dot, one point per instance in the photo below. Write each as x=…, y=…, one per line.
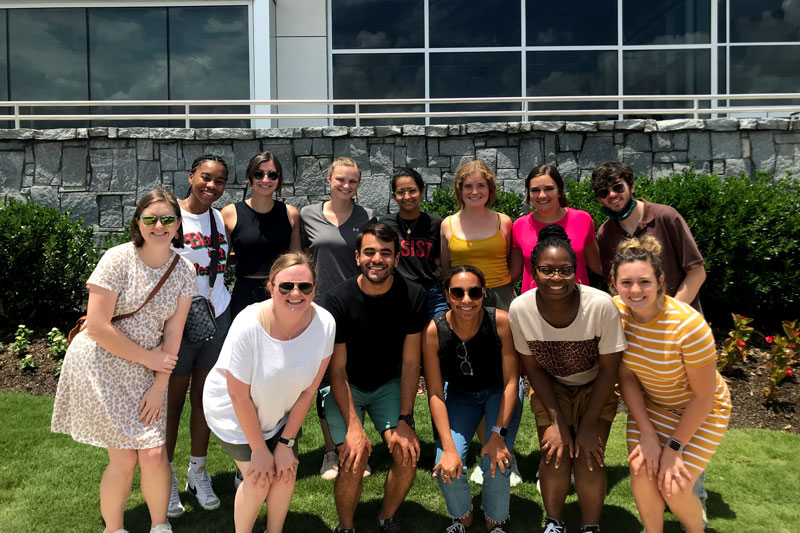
x=98, y=396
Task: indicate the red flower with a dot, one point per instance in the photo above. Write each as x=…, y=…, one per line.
x=790, y=345
x=741, y=343
x=769, y=338
x=789, y=372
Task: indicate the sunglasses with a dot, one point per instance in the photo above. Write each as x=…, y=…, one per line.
x=474, y=293
x=466, y=366
x=272, y=175
x=285, y=287
x=166, y=220
x=549, y=271
x=618, y=188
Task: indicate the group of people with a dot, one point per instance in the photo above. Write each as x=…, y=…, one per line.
x=331, y=304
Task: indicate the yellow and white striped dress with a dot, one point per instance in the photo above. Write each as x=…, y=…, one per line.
x=659, y=353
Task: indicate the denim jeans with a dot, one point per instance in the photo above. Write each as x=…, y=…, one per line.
x=437, y=304
x=465, y=410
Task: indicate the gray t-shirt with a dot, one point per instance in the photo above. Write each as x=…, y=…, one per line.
x=333, y=248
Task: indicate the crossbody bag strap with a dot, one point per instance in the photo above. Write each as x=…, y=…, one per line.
x=212, y=272
x=154, y=291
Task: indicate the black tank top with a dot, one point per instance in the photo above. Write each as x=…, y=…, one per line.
x=259, y=238
x=483, y=351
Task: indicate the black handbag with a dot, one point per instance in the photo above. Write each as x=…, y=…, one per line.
x=201, y=325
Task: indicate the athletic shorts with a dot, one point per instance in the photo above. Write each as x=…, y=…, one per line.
x=382, y=406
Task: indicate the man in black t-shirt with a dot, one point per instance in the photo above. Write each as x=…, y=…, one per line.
x=375, y=366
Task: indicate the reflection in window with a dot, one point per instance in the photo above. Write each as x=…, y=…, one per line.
x=379, y=76
x=666, y=72
x=765, y=20
x=556, y=23
x=461, y=23
x=765, y=69
x=481, y=74
x=377, y=23
x=670, y=22
x=209, y=58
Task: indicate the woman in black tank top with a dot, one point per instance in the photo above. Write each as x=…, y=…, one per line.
x=472, y=371
x=261, y=229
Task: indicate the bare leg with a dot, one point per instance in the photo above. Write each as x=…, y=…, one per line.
x=155, y=478
x=347, y=492
x=198, y=428
x=249, y=498
x=278, y=501
x=649, y=501
x=686, y=507
x=591, y=484
x=554, y=482
x=115, y=486
x=398, y=483
x=176, y=397
x=326, y=435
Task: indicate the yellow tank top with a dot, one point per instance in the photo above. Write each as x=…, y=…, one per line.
x=488, y=254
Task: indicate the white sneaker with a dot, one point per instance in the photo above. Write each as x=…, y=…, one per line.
x=515, y=478
x=199, y=484
x=161, y=528
x=367, y=471
x=330, y=465
x=477, y=475
x=175, y=508
x=238, y=479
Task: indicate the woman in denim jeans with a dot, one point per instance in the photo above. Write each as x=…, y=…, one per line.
x=472, y=371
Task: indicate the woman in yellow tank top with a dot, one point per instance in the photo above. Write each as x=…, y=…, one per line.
x=477, y=235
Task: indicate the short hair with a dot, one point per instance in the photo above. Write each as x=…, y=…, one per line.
x=382, y=232
x=554, y=174
x=608, y=173
x=344, y=162
x=406, y=172
x=472, y=167
x=150, y=198
x=458, y=269
x=645, y=248
x=290, y=259
x=555, y=236
x=256, y=161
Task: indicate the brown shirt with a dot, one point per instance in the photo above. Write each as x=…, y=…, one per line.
x=679, y=253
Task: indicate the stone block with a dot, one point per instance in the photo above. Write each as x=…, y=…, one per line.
x=619, y=138
x=456, y=162
x=381, y=159
x=605, y=125
x=530, y=153
x=12, y=165
x=508, y=157
x=144, y=149
x=73, y=167
x=168, y=156
x=567, y=165
x=549, y=152
x=597, y=150
x=650, y=125
x=374, y=192
x=547, y=125
x=507, y=174
x=17, y=134
x=581, y=126
x=436, y=131
x=513, y=185
x=781, y=124
x=679, y=124
x=58, y=134
x=81, y=205
x=113, y=143
x=388, y=131
x=354, y=148
x=661, y=170
x=722, y=124
x=433, y=147
x=448, y=179
x=734, y=167
x=133, y=133
x=787, y=138
x=637, y=142
x=640, y=162
x=748, y=123
x=231, y=133
x=298, y=201
x=323, y=146
x=28, y=153
x=48, y=163
x=399, y=156
x=413, y=130
x=762, y=150
x=431, y=176
x=699, y=146
x=496, y=141
x=148, y=177
x=456, y=147
x=671, y=157
x=302, y=146
x=284, y=154
x=484, y=127
x=110, y=211
x=570, y=142
x=310, y=177
x=312, y=132
x=362, y=131
x=98, y=132
x=441, y=162
x=788, y=160
x=172, y=133
x=726, y=145
x=479, y=142
x=45, y=196
x=291, y=133
x=630, y=124
x=454, y=129
x=488, y=156
x=680, y=141
x=243, y=152
x=662, y=142
x=101, y=165
x=334, y=131
x=718, y=167
x=191, y=151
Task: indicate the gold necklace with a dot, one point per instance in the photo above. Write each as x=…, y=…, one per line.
x=277, y=322
x=408, y=229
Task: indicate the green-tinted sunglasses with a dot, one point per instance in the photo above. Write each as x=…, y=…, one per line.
x=166, y=220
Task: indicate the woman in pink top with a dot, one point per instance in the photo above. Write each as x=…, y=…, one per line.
x=544, y=196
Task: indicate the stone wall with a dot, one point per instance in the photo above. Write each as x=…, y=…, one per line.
x=98, y=173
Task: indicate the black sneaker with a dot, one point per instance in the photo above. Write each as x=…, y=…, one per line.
x=591, y=529
x=391, y=525
x=551, y=525
x=456, y=527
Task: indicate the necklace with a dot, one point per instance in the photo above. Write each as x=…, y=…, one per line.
x=277, y=322
x=407, y=229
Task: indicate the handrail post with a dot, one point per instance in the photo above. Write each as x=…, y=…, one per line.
x=358, y=117
x=696, y=108
x=525, y=109
x=16, y=116
x=188, y=120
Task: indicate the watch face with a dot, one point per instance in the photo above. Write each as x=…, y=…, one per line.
x=675, y=445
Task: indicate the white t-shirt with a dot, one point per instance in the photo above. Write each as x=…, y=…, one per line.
x=568, y=354
x=277, y=371
x=197, y=247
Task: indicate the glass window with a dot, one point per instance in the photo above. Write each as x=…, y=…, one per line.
x=556, y=23
x=377, y=23
x=666, y=72
x=765, y=21
x=209, y=58
x=480, y=74
x=671, y=22
x=462, y=23
x=379, y=76
x=722, y=22
x=765, y=69
x=573, y=74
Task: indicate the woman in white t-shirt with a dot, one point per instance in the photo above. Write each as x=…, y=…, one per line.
x=258, y=393
x=571, y=343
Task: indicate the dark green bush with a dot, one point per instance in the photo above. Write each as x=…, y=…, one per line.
x=48, y=258
x=443, y=203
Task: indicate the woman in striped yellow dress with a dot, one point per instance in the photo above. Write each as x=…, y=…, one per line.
x=678, y=404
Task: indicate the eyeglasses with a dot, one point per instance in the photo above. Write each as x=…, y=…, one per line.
x=166, y=220
x=272, y=175
x=466, y=366
x=474, y=293
x=549, y=271
x=618, y=188
x=285, y=287
x=400, y=193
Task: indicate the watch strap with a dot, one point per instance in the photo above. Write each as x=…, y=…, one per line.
x=287, y=442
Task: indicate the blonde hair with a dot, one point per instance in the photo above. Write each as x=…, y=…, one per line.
x=290, y=259
x=643, y=248
x=467, y=169
x=344, y=162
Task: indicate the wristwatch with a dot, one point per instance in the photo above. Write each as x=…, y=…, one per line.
x=676, y=445
x=408, y=419
x=287, y=442
x=500, y=430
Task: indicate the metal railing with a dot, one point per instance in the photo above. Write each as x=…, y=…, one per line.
x=696, y=106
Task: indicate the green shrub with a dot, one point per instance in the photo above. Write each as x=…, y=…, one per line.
x=48, y=258
x=57, y=343
x=22, y=340
x=443, y=203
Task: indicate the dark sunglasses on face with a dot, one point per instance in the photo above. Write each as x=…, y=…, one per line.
x=272, y=175
x=474, y=293
x=618, y=188
x=549, y=271
x=285, y=287
x=166, y=220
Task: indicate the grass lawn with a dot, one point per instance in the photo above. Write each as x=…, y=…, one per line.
x=50, y=483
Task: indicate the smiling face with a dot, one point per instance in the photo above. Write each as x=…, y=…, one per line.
x=158, y=234
x=638, y=287
x=543, y=194
x=617, y=201
x=465, y=307
x=295, y=301
x=408, y=195
x=265, y=186
x=344, y=182
x=556, y=286
x=207, y=183
x=376, y=258
x=475, y=190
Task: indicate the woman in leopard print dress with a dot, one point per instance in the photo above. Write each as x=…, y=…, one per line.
x=112, y=389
